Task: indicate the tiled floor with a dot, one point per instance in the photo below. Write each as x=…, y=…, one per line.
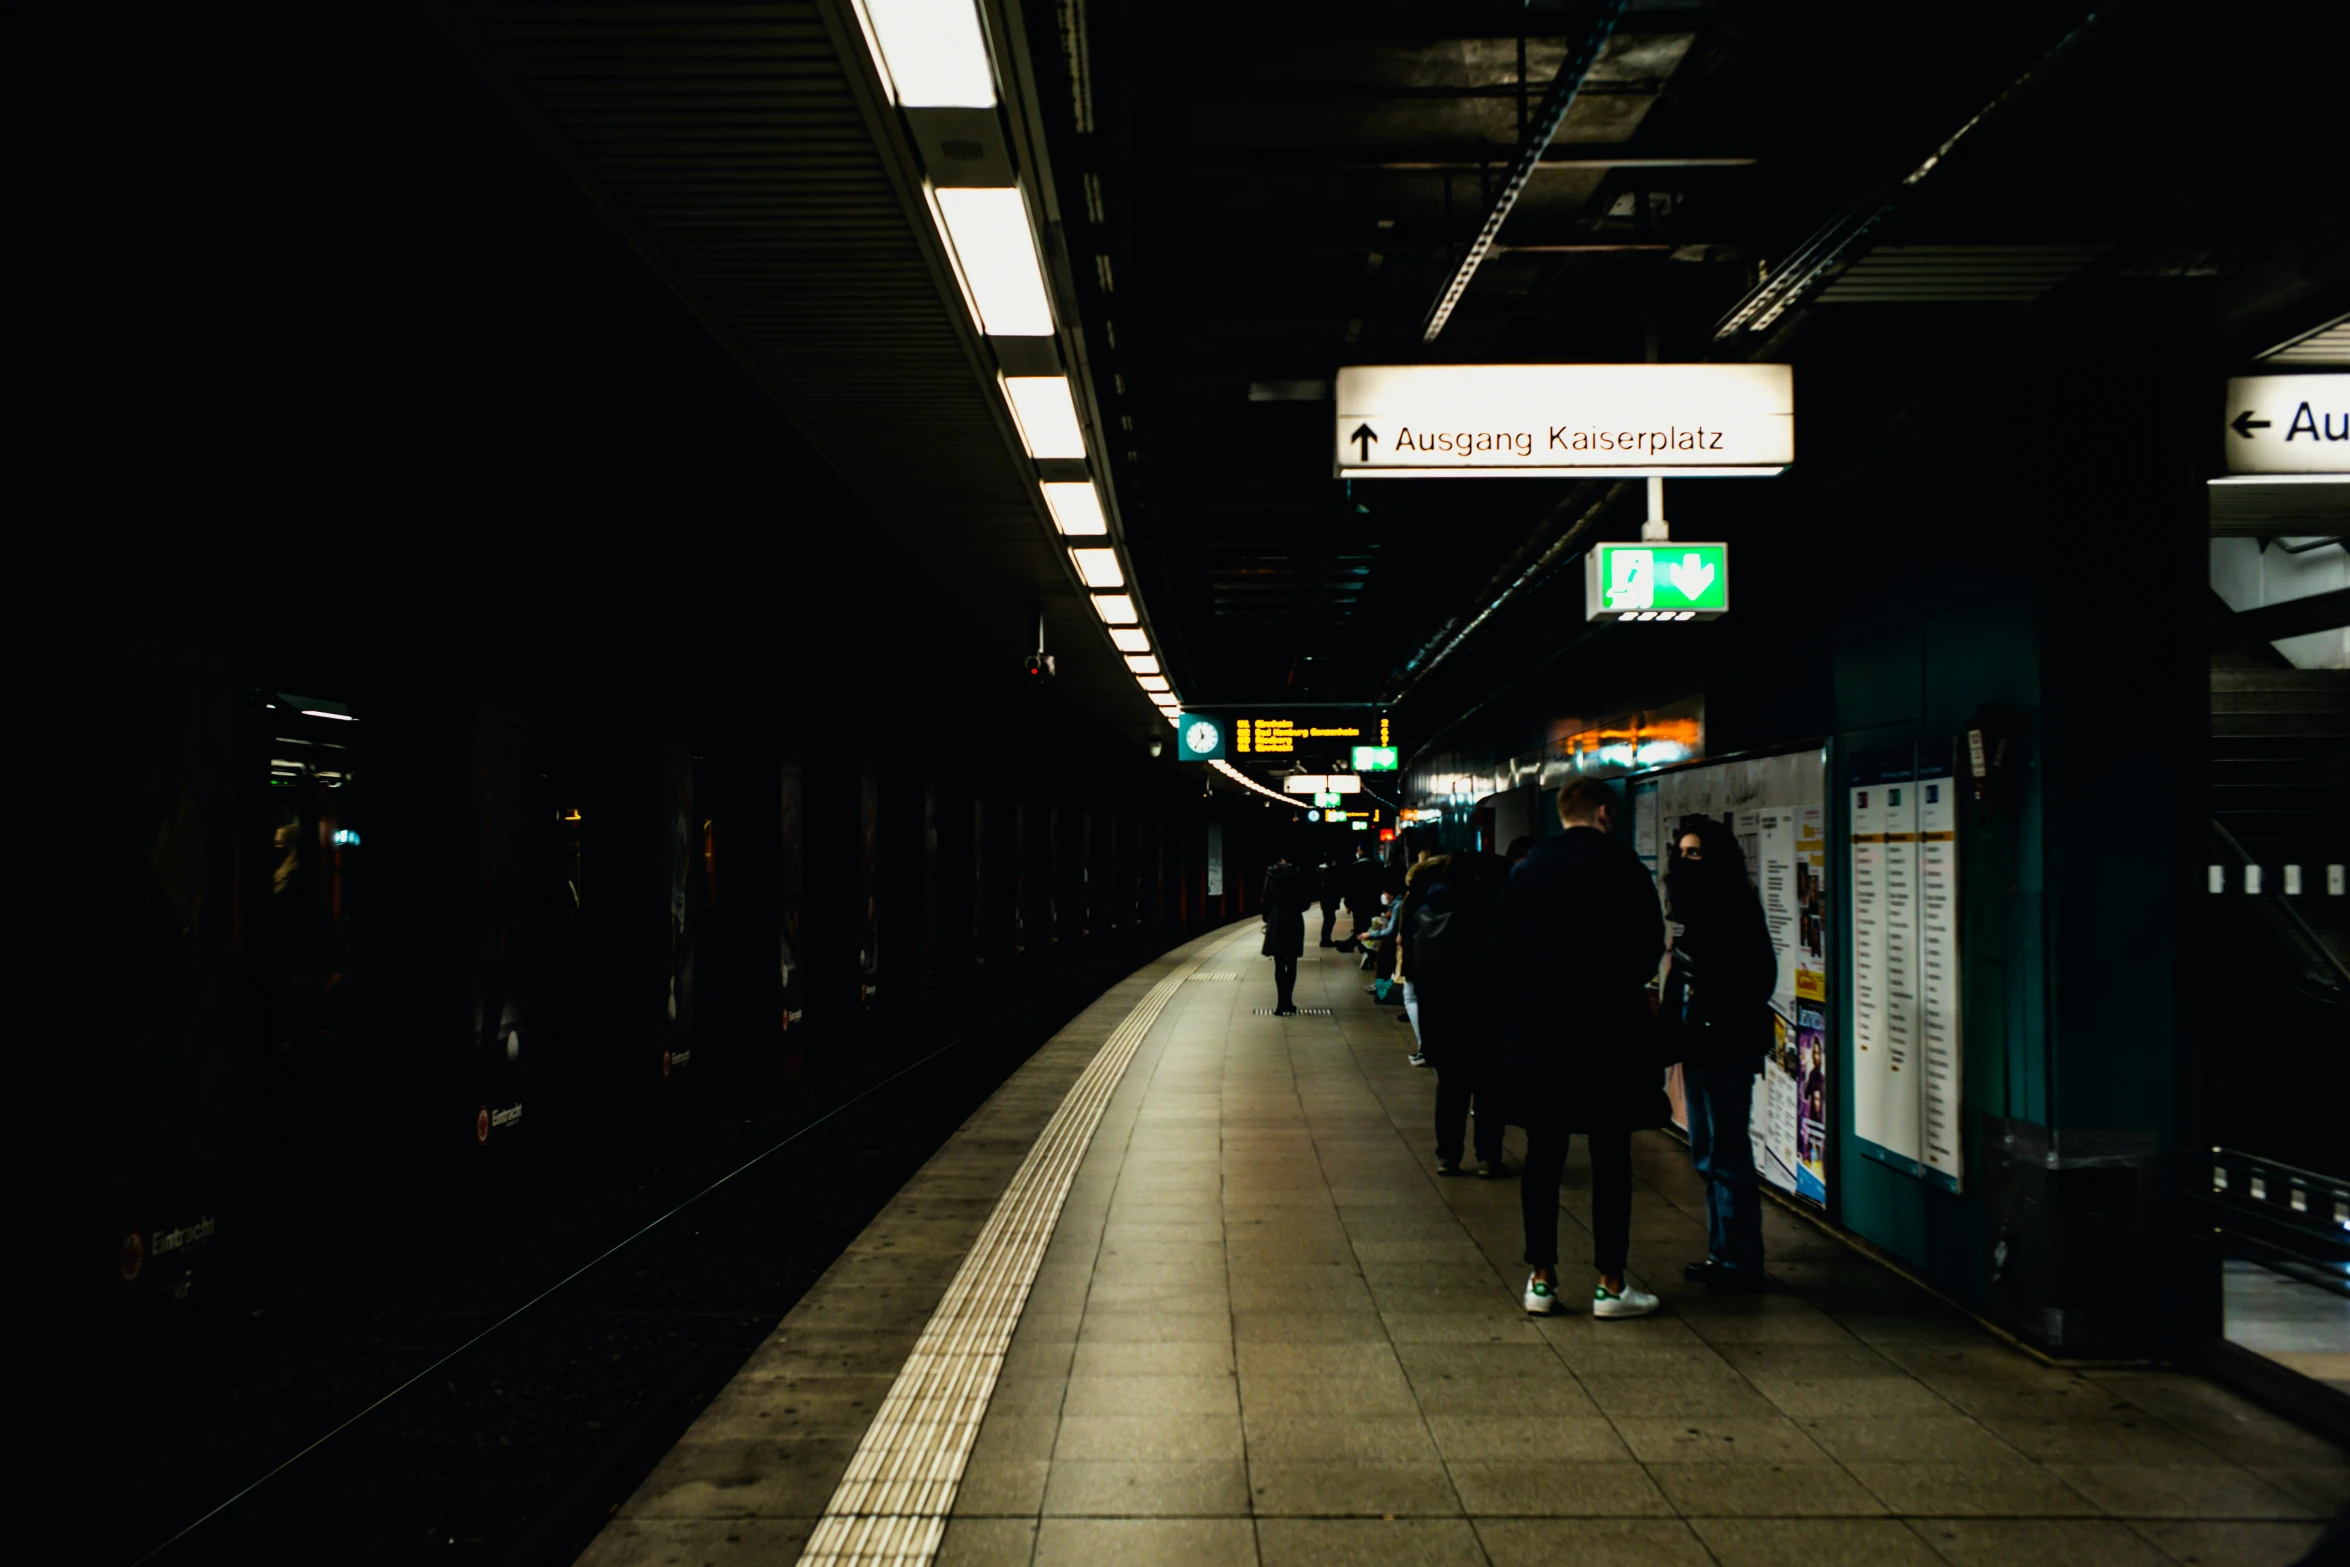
x=1266, y=1332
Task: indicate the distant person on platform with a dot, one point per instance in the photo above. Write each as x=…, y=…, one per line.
x=1451, y=950
x=1717, y=1010
x=1288, y=891
x=1362, y=897
x=1578, y=940
x=1426, y=867
x=1327, y=881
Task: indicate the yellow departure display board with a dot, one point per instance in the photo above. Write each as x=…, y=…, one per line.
x=1288, y=736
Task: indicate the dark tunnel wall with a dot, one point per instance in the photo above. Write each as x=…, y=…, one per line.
x=659, y=801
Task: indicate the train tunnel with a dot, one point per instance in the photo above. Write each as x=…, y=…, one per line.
x=984, y=782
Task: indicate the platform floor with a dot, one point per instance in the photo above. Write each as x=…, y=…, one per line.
x=1264, y=1330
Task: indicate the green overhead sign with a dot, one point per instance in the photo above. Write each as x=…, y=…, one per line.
x=1374, y=758
x=1656, y=581
x=1327, y=800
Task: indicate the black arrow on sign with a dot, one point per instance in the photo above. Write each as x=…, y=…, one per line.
x=2244, y=424
x=1364, y=436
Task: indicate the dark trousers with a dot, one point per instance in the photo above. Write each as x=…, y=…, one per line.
x=1285, y=982
x=1329, y=918
x=1611, y=1194
x=1454, y=1088
x=1721, y=1101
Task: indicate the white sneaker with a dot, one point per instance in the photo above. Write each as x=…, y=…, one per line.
x=1542, y=1297
x=1633, y=1302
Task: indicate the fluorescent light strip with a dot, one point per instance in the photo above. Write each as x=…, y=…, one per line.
x=933, y=53
x=1116, y=609
x=995, y=250
x=1246, y=782
x=1131, y=639
x=1143, y=666
x=1098, y=568
x=1077, y=510
x=1152, y=682
x=1046, y=414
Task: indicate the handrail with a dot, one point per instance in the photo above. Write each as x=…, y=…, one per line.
x=2302, y=933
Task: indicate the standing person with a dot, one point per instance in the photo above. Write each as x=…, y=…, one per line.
x=1578, y=939
x=1717, y=1000
x=1362, y=897
x=1326, y=881
x=1450, y=955
x=1287, y=892
x=1426, y=868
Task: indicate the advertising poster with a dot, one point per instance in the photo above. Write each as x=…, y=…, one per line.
x=1775, y=805
x=1768, y=836
x=1810, y=981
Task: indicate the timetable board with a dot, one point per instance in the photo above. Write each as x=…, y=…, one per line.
x=1902, y=881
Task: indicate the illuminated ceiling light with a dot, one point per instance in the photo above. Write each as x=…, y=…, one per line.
x=1152, y=682
x=996, y=251
x=1046, y=414
x=1143, y=666
x=1169, y=703
x=1131, y=641
x=1077, y=510
x=1116, y=609
x=933, y=53
x=1099, y=568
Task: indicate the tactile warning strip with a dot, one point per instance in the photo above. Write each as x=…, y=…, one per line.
x=891, y=1506
x=1219, y=974
x=1294, y=1012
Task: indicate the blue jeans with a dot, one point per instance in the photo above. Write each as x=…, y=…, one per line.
x=1720, y=1101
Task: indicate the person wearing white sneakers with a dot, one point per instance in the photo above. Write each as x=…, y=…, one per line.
x=1580, y=935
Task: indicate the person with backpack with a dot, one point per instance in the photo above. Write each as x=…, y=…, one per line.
x=1450, y=950
x=1716, y=1006
x=1425, y=868
x=1575, y=946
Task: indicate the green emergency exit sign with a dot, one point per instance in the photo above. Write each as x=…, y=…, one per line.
x=1656, y=581
x=1375, y=758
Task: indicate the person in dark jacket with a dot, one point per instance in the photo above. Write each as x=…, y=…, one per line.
x=1288, y=892
x=1451, y=951
x=1327, y=894
x=1578, y=940
x=1717, y=1004
x=1362, y=897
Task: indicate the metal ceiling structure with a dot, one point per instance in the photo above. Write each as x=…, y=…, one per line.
x=752, y=157
x=1235, y=202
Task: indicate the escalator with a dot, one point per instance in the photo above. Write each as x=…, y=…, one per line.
x=2269, y=1188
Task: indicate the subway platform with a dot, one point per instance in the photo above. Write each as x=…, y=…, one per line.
x=1188, y=1289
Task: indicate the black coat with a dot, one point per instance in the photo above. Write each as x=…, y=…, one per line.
x=1717, y=994
x=1289, y=892
x=1458, y=1018
x=1577, y=940
x=1362, y=889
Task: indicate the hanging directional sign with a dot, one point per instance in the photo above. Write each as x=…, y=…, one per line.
x=1374, y=758
x=2289, y=424
x=1470, y=421
x=1656, y=582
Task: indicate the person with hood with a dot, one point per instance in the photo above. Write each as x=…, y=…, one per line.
x=1451, y=949
x=1717, y=1005
x=1577, y=942
x=1288, y=891
x=1425, y=868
